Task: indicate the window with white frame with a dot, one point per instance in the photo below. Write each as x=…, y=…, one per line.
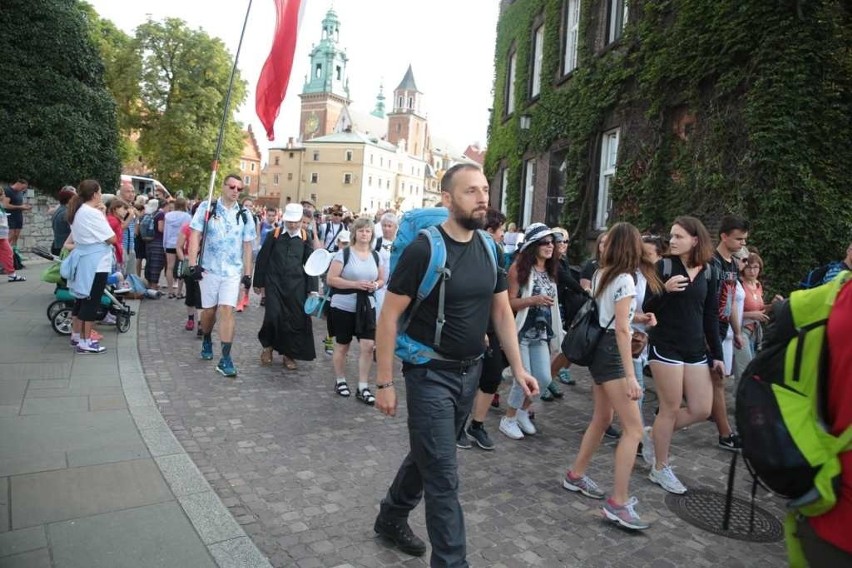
x=504, y=189
x=529, y=191
x=609, y=156
x=572, y=36
x=242, y=164
x=314, y=177
x=617, y=19
x=510, y=83
x=538, y=58
x=247, y=180
x=252, y=166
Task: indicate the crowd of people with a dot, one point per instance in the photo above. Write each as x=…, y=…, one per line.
x=673, y=307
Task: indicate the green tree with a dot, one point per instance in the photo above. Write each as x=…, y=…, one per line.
x=185, y=76
x=59, y=121
x=122, y=73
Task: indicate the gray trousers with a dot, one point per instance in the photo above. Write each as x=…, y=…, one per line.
x=438, y=403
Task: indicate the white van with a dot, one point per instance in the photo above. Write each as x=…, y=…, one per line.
x=147, y=186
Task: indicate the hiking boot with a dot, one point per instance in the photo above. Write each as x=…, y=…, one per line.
x=226, y=367
x=207, y=350
x=524, y=422
x=401, y=535
x=554, y=389
x=462, y=441
x=666, y=479
x=481, y=437
x=612, y=433
x=624, y=515
x=582, y=484
x=509, y=427
x=565, y=377
x=648, y=453
x=731, y=443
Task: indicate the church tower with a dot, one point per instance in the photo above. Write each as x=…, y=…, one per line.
x=326, y=89
x=379, y=111
x=407, y=121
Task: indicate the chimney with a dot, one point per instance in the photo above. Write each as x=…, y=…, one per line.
x=290, y=142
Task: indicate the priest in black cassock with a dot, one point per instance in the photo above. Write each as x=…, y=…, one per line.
x=279, y=271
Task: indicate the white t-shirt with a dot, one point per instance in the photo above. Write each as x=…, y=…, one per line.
x=621, y=287
x=357, y=269
x=641, y=287
x=89, y=227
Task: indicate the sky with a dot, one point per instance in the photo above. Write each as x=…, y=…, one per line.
x=449, y=43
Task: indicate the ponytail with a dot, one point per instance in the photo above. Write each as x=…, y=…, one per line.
x=85, y=193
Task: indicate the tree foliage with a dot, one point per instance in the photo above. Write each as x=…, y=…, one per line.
x=724, y=107
x=184, y=80
x=58, y=118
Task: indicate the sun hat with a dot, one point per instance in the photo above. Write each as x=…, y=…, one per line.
x=293, y=212
x=536, y=232
x=344, y=236
x=152, y=206
x=318, y=262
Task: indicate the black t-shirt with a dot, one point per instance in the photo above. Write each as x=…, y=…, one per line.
x=588, y=269
x=15, y=198
x=467, y=297
x=727, y=274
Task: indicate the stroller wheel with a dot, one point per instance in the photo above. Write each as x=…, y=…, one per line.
x=54, y=307
x=122, y=322
x=61, y=322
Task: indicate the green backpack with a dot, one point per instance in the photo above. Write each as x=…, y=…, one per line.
x=781, y=406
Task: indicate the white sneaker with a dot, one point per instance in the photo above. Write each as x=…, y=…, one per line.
x=509, y=427
x=666, y=479
x=524, y=422
x=109, y=319
x=507, y=375
x=648, y=453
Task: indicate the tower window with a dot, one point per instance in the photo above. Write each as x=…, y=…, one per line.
x=339, y=73
x=411, y=102
x=318, y=71
x=399, y=103
x=348, y=155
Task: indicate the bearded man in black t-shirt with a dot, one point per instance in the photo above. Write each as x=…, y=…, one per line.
x=439, y=393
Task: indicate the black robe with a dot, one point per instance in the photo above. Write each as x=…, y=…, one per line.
x=280, y=271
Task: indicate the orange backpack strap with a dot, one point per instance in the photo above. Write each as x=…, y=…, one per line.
x=276, y=233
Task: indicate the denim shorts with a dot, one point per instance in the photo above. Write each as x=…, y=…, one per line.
x=606, y=365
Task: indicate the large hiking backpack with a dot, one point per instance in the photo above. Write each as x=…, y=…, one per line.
x=425, y=222
x=147, y=227
x=781, y=402
x=822, y=275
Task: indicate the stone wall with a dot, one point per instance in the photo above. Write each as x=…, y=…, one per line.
x=38, y=229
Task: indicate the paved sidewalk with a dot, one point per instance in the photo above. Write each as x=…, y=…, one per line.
x=303, y=470
x=90, y=474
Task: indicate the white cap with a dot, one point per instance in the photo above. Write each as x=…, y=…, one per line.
x=152, y=206
x=344, y=236
x=293, y=212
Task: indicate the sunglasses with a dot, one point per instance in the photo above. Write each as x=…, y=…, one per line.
x=337, y=214
x=544, y=243
x=235, y=187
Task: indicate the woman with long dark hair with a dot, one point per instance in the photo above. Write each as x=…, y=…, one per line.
x=616, y=387
x=533, y=297
x=687, y=325
x=89, y=264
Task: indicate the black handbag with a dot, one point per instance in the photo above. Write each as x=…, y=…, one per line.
x=583, y=335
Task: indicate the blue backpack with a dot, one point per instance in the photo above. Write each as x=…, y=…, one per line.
x=425, y=222
x=147, y=227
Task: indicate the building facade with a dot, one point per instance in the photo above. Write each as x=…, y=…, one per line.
x=250, y=163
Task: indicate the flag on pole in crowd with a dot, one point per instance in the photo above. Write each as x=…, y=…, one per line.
x=272, y=84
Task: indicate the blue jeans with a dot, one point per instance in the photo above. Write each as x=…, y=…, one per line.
x=535, y=356
x=438, y=404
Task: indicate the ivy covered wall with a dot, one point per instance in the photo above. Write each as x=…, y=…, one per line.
x=724, y=107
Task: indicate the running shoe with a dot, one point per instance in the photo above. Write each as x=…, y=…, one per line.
x=226, y=367
x=666, y=479
x=328, y=343
x=207, y=350
x=524, y=422
x=92, y=347
x=190, y=325
x=109, y=319
x=624, y=515
x=554, y=389
x=462, y=441
x=481, y=437
x=612, y=433
x=509, y=427
x=565, y=377
x=583, y=484
x=731, y=443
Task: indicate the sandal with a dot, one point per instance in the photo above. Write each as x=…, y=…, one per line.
x=266, y=356
x=365, y=396
x=342, y=389
x=289, y=364
x=17, y=278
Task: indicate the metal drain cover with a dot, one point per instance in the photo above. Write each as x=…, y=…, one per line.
x=706, y=509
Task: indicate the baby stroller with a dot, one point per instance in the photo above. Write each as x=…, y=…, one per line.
x=59, y=311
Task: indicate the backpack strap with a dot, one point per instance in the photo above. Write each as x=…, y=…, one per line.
x=667, y=269
x=435, y=270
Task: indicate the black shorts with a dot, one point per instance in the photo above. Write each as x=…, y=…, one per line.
x=674, y=355
x=139, y=248
x=171, y=251
x=16, y=220
x=493, y=363
x=87, y=308
x=193, y=293
x=343, y=325
x=606, y=365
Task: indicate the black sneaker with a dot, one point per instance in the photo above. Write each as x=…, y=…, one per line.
x=480, y=436
x=731, y=443
x=462, y=441
x=612, y=433
x=401, y=535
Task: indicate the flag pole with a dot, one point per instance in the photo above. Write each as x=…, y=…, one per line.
x=214, y=169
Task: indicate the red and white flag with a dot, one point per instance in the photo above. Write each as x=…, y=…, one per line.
x=272, y=84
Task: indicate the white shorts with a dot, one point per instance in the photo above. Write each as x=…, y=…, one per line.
x=219, y=290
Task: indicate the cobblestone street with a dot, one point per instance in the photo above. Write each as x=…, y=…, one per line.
x=303, y=470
